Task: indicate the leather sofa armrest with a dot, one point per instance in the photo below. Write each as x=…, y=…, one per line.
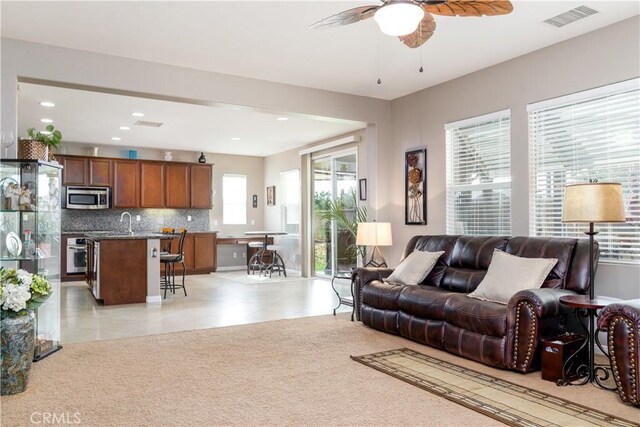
x=532, y=316
x=363, y=275
x=544, y=301
x=622, y=323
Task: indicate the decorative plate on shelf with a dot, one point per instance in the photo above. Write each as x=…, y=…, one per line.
x=14, y=245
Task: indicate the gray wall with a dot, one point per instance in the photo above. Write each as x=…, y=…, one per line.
x=609, y=55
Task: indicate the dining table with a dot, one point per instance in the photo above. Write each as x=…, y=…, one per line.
x=266, y=234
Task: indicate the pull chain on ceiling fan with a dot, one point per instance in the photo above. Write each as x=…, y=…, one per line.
x=411, y=20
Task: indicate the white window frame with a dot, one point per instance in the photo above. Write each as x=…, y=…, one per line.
x=564, y=154
x=453, y=225
x=234, y=204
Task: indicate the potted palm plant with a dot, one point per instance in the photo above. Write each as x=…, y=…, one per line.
x=40, y=144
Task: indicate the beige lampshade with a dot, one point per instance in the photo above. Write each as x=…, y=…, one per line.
x=593, y=202
x=374, y=234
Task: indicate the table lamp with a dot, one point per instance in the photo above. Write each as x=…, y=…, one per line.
x=590, y=203
x=374, y=234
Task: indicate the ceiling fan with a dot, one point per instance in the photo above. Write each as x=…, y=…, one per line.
x=411, y=20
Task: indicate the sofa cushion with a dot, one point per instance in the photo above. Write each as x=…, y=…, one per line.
x=424, y=301
x=433, y=244
x=414, y=268
x=546, y=247
x=381, y=295
x=463, y=280
x=508, y=274
x=483, y=317
x=475, y=252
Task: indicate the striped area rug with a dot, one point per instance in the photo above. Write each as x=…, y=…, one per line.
x=502, y=400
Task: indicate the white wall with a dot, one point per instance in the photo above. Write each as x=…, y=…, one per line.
x=598, y=58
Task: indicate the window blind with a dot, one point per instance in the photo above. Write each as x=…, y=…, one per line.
x=479, y=175
x=234, y=199
x=590, y=135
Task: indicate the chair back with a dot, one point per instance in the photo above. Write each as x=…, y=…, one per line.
x=183, y=233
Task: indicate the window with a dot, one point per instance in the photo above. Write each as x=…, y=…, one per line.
x=234, y=199
x=479, y=175
x=290, y=183
x=588, y=135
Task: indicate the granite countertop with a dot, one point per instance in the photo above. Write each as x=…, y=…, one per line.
x=127, y=236
x=124, y=233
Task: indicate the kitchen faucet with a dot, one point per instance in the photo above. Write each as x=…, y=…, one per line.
x=122, y=217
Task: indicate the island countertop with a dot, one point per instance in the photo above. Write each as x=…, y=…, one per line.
x=128, y=236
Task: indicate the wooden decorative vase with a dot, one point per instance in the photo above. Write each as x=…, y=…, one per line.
x=32, y=150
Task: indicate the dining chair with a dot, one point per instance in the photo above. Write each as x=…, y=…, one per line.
x=169, y=261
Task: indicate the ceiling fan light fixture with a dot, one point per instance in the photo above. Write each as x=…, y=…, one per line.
x=399, y=17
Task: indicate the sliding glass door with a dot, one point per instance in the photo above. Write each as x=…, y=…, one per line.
x=334, y=190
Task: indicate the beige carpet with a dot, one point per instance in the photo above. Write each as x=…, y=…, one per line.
x=289, y=372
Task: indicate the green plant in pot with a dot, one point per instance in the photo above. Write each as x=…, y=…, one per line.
x=40, y=144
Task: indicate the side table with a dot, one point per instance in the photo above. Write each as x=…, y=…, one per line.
x=586, y=310
x=348, y=301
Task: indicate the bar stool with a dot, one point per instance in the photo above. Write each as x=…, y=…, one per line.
x=170, y=261
x=277, y=263
x=255, y=262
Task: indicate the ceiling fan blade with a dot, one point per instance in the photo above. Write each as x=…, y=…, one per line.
x=346, y=17
x=423, y=33
x=470, y=7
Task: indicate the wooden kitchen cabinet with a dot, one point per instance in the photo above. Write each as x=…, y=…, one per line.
x=75, y=170
x=201, y=186
x=177, y=185
x=126, y=184
x=204, y=245
x=199, y=253
x=100, y=172
x=152, y=188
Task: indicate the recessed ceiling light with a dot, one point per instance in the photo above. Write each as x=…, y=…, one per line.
x=124, y=128
x=46, y=120
x=235, y=138
x=116, y=138
x=45, y=132
x=136, y=114
x=47, y=104
x=283, y=119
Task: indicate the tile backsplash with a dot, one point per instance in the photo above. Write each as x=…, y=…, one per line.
x=150, y=219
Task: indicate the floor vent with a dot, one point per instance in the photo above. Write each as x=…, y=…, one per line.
x=570, y=16
x=148, y=123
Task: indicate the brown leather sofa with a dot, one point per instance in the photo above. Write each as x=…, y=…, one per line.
x=439, y=313
x=622, y=323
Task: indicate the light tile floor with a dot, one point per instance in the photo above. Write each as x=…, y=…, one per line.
x=214, y=300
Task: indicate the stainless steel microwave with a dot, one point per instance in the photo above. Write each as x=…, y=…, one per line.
x=86, y=198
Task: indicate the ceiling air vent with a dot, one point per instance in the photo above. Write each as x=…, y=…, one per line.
x=148, y=124
x=570, y=16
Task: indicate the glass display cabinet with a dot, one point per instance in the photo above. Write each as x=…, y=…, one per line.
x=30, y=235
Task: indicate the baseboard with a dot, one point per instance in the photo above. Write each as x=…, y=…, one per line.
x=154, y=299
x=232, y=268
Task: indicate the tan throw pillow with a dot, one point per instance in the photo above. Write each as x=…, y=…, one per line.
x=414, y=268
x=508, y=274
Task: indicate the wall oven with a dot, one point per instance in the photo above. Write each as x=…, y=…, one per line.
x=76, y=256
x=86, y=197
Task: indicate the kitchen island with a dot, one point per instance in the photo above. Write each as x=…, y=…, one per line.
x=124, y=268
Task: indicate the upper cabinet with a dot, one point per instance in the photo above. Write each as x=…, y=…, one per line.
x=201, y=182
x=86, y=171
x=100, y=172
x=126, y=184
x=178, y=185
x=143, y=183
x=152, y=192
x=75, y=170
